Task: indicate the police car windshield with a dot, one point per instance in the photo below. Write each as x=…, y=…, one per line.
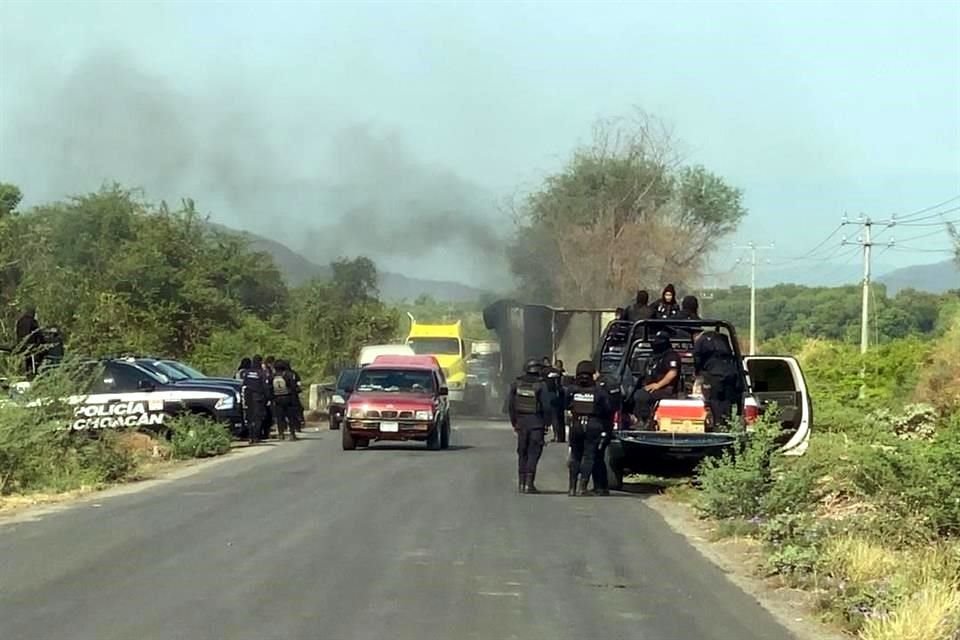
x=435, y=346
x=186, y=369
x=395, y=380
x=171, y=372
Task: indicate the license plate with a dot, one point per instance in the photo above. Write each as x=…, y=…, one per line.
x=390, y=426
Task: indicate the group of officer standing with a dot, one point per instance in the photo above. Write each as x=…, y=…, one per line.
x=543, y=394
x=533, y=405
x=271, y=394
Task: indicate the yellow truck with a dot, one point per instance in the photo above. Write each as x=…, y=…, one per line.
x=447, y=343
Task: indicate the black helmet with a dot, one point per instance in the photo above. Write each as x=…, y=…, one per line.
x=660, y=342
x=533, y=367
x=585, y=369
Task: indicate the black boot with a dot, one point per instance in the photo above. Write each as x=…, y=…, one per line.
x=582, y=489
x=572, y=485
x=522, y=486
x=531, y=488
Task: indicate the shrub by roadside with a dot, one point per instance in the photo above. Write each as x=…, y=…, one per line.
x=869, y=518
x=196, y=436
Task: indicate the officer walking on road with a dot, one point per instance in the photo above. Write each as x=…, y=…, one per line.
x=590, y=405
x=254, y=392
x=526, y=404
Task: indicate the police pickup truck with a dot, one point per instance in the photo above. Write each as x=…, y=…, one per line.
x=125, y=394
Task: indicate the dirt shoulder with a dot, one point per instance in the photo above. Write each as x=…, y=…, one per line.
x=150, y=474
x=739, y=558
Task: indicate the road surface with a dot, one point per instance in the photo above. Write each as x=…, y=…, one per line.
x=305, y=541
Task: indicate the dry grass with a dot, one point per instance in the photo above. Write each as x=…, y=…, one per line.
x=856, y=560
x=940, y=379
x=932, y=613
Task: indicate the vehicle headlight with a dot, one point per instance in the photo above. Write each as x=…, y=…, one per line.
x=356, y=412
x=424, y=415
x=225, y=404
x=337, y=398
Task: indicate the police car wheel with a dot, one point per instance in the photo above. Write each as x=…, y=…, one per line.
x=363, y=443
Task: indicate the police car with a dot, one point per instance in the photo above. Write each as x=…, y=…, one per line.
x=124, y=394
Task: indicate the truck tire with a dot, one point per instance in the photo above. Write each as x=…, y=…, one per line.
x=445, y=435
x=433, y=440
x=349, y=444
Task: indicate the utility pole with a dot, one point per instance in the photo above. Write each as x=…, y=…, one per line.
x=866, y=241
x=753, y=291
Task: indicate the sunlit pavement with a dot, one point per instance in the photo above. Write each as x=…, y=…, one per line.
x=306, y=541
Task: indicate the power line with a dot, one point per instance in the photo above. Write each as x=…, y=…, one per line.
x=919, y=250
x=908, y=216
x=923, y=235
x=932, y=224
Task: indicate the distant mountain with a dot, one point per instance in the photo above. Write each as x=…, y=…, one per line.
x=394, y=287
x=935, y=278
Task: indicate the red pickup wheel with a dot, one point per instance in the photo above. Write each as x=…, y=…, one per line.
x=346, y=439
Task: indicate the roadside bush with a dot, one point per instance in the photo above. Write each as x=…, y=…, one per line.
x=735, y=484
x=196, y=436
x=38, y=452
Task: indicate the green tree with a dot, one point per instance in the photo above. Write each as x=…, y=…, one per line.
x=623, y=213
x=10, y=197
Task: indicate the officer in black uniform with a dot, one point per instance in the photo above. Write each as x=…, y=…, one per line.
x=590, y=405
x=551, y=380
x=601, y=481
x=661, y=378
x=526, y=404
x=284, y=406
x=254, y=393
x=560, y=405
x=716, y=364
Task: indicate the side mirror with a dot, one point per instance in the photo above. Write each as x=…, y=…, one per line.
x=444, y=391
x=146, y=385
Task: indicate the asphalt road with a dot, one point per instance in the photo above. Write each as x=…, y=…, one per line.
x=305, y=541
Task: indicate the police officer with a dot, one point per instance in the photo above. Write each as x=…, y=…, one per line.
x=667, y=306
x=717, y=366
x=298, y=401
x=526, y=404
x=640, y=309
x=551, y=380
x=661, y=378
x=255, y=395
x=284, y=407
x=601, y=481
x=268, y=418
x=689, y=308
x=560, y=405
x=29, y=340
x=590, y=405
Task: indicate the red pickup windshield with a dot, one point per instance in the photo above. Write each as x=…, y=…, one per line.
x=396, y=380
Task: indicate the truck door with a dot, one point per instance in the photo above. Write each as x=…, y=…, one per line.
x=780, y=380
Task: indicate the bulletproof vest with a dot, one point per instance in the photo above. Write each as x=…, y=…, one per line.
x=527, y=402
x=552, y=380
x=584, y=401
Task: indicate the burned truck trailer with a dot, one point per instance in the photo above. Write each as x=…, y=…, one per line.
x=528, y=331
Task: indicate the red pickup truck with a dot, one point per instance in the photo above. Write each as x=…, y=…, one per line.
x=398, y=400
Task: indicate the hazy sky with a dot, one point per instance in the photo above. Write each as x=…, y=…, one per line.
x=310, y=110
